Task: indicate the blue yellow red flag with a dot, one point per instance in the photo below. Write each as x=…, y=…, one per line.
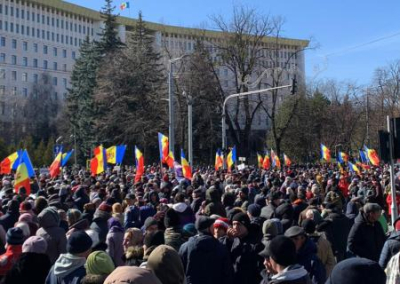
x=186, y=169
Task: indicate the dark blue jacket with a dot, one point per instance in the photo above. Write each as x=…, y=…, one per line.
x=307, y=257
x=391, y=247
x=132, y=218
x=206, y=261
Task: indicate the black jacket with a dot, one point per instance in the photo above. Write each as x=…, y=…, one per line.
x=307, y=257
x=247, y=264
x=391, y=247
x=206, y=261
x=366, y=239
x=337, y=231
x=268, y=212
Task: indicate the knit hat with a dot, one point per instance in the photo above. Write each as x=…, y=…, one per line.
x=166, y=263
x=105, y=207
x=171, y=218
x=150, y=221
x=78, y=242
x=282, y=250
x=154, y=239
x=35, y=244
x=222, y=223
x=203, y=223
x=99, y=263
x=132, y=275
x=309, y=226
x=15, y=236
x=272, y=228
x=26, y=217
x=189, y=230
x=254, y=210
x=242, y=218
x=357, y=270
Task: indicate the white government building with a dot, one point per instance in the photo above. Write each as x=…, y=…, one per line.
x=38, y=36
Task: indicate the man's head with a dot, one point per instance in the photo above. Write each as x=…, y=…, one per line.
x=79, y=243
x=373, y=212
x=241, y=224
x=297, y=235
x=279, y=254
x=204, y=225
x=150, y=225
x=221, y=225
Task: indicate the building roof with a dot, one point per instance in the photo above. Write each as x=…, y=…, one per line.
x=95, y=15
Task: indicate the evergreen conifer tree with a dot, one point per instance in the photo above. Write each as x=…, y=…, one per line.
x=109, y=36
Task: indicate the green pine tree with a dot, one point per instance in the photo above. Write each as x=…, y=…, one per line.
x=81, y=108
x=109, y=36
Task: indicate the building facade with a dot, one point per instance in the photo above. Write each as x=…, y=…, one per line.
x=43, y=37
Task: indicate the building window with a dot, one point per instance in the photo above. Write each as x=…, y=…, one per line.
x=2, y=57
x=25, y=92
x=35, y=78
x=44, y=49
x=14, y=91
x=55, y=96
x=35, y=63
x=2, y=90
x=55, y=51
x=13, y=59
x=64, y=53
x=14, y=44
x=65, y=67
x=25, y=61
x=54, y=81
x=3, y=104
x=3, y=41
x=2, y=73
x=24, y=77
x=45, y=64
x=14, y=75
x=55, y=66
x=35, y=47
x=65, y=82
x=73, y=54
x=1, y=24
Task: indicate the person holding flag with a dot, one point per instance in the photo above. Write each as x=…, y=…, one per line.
x=139, y=164
x=186, y=169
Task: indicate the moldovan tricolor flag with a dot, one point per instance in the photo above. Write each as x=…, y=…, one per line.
x=7, y=164
x=97, y=164
x=186, y=169
x=22, y=177
x=286, y=160
x=372, y=156
x=55, y=168
x=267, y=162
x=166, y=156
x=260, y=160
x=231, y=159
x=219, y=160
x=325, y=153
x=139, y=164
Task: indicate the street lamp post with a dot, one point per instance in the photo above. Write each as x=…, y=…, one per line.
x=224, y=140
x=189, y=100
x=171, y=102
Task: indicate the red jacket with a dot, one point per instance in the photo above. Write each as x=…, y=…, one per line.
x=389, y=202
x=9, y=258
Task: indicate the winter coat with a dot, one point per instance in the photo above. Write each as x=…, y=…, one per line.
x=9, y=258
x=307, y=257
x=173, y=237
x=366, y=239
x=294, y=274
x=214, y=205
x=390, y=248
x=298, y=207
x=185, y=213
x=196, y=203
x=268, y=212
x=132, y=217
x=80, y=198
x=9, y=219
x=54, y=235
x=247, y=264
x=145, y=212
x=324, y=252
x=337, y=231
x=99, y=224
x=206, y=261
x=114, y=241
x=31, y=268
x=68, y=269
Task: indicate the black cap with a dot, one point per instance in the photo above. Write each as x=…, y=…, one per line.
x=242, y=218
x=203, y=223
x=282, y=250
x=78, y=242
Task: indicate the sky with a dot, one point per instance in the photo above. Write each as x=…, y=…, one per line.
x=349, y=39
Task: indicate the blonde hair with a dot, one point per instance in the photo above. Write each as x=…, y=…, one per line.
x=117, y=208
x=135, y=236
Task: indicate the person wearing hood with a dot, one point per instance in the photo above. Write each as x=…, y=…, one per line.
x=151, y=241
x=173, y=233
x=166, y=264
x=270, y=229
x=214, y=205
x=154, y=199
x=69, y=267
x=98, y=266
x=15, y=239
x=205, y=260
x=114, y=241
x=184, y=211
x=32, y=266
x=50, y=230
x=132, y=275
x=11, y=217
x=280, y=262
x=366, y=237
x=391, y=246
x=81, y=198
x=244, y=247
x=100, y=218
x=306, y=251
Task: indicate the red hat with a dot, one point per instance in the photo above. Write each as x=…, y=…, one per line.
x=105, y=207
x=397, y=224
x=221, y=223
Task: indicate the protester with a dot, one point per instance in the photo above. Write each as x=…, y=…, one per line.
x=14, y=239
x=98, y=266
x=391, y=246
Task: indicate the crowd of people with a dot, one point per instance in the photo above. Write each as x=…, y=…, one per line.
x=301, y=225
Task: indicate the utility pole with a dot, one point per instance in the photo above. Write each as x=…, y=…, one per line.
x=190, y=128
x=391, y=129
x=367, y=116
